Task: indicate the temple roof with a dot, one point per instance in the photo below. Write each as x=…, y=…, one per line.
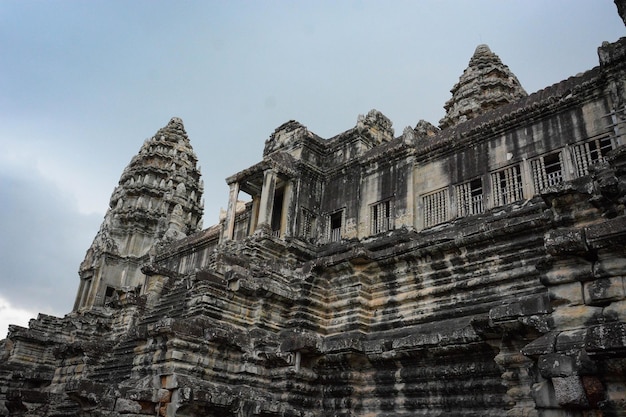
x=485, y=84
x=158, y=195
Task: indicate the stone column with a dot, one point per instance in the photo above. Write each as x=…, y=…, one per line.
x=231, y=212
x=267, y=198
x=286, y=221
x=569, y=170
x=528, y=186
x=254, y=216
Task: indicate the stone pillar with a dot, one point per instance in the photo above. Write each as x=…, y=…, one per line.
x=254, y=216
x=569, y=170
x=528, y=186
x=286, y=220
x=229, y=223
x=267, y=198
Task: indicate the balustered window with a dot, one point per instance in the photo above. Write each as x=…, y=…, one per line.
x=381, y=219
x=591, y=152
x=336, y=220
x=436, y=207
x=547, y=171
x=469, y=197
x=507, y=185
x=307, y=224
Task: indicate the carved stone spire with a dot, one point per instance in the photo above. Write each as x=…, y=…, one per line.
x=158, y=199
x=486, y=84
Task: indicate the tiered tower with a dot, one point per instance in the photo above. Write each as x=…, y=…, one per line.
x=485, y=84
x=158, y=199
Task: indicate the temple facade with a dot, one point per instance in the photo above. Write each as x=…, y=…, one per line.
x=474, y=269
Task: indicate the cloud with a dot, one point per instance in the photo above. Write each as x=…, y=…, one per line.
x=44, y=238
x=11, y=315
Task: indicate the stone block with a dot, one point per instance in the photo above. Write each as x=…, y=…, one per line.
x=555, y=412
x=565, y=242
x=541, y=346
x=556, y=365
x=570, y=293
x=593, y=389
x=169, y=381
x=604, y=290
x=541, y=322
x=614, y=265
x=543, y=394
x=162, y=396
x=616, y=395
x=606, y=337
x=125, y=406
x=569, y=392
x=505, y=312
x=604, y=235
x=568, y=270
x=571, y=340
x=573, y=317
x=615, y=311
x=526, y=307
x=566, y=364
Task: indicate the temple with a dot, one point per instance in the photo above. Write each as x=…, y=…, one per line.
x=473, y=269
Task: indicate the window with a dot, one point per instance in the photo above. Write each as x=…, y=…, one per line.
x=307, y=224
x=109, y=296
x=380, y=217
x=591, y=152
x=435, y=208
x=277, y=213
x=469, y=197
x=547, y=171
x=335, y=226
x=507, y=185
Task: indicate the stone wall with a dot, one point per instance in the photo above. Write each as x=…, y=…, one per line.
x=426, y=303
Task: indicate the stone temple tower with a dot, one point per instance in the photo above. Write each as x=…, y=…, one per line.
x=157, y=200
x=485, y=84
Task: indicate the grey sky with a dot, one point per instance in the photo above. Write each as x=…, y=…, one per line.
x=82, y=84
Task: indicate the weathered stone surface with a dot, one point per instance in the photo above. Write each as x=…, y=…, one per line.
x=568, y=270
x=568, y=293
x=568, y=317
x=569, y=392
x=474, y=270
x=606, y=337
x=615, y=311
x=603, y=291
x=544, y=396
x=486, y=84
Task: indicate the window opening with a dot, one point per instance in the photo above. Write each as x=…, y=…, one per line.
x=380, y=216
x=277, y=212
x=507, y=185
x=335, y=226
x=435, y=208
x=547, y=171
x=590, y=153
x=469, y=197
x=243, y=211
x=86, y=287
x=109, y=295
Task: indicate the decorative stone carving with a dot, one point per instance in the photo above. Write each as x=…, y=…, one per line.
x=468, y=271
x=486, y=84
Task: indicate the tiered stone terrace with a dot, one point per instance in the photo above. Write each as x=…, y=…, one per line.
x=476, y=269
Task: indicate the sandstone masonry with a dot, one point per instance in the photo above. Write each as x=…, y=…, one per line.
x=475, y=269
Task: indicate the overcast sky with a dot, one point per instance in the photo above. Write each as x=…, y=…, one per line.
x=84, y=83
